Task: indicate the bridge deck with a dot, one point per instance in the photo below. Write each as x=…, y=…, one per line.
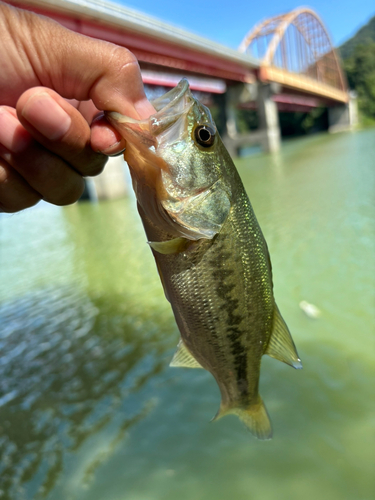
x=303, y=83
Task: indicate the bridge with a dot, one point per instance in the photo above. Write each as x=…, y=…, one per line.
x=286, y=62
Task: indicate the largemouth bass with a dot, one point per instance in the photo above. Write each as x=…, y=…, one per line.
x=210, y=252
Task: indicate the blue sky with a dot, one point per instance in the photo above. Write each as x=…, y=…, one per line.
x=228, y=21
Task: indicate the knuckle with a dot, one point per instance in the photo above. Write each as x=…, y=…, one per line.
x=66, y=195
x=15, y=193
x=94, y=166
x=122, y=57
x=16, y=204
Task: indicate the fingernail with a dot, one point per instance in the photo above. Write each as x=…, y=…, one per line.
x=109, y=151
x=43, y=113
x=113, y=155
x=13, y=136
x=107, y=136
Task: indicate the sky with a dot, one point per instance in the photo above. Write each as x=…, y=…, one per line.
x=228, y=21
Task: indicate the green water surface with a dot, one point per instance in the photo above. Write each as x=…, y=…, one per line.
x=90, y=410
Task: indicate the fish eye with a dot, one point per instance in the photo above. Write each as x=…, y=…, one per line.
x=204, y=135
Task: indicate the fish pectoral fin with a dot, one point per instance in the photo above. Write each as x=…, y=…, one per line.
x=176, y=245
x=255, y=417
x=183, y=358
x=281, y=345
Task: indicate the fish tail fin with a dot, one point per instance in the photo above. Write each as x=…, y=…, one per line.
x=254, y=416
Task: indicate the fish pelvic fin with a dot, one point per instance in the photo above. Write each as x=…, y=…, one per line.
x=281, y=345
x=183, y=358
x=255, y=417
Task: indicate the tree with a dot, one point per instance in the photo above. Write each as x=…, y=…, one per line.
x=360, y=70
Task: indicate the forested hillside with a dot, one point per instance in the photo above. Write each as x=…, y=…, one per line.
x=364, y=36
x=358, y=55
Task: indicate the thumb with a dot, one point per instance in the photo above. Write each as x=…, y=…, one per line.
x=79, y=67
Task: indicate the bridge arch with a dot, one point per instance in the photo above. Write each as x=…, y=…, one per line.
x=295, y=45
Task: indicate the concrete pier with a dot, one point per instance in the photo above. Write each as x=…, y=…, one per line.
x=268, y=119
x=268, y=135
x=343, y=116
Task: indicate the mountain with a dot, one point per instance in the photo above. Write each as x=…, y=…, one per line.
x=364, y=36
x=358, y=58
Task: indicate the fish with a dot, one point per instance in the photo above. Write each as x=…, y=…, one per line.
x=210, y=252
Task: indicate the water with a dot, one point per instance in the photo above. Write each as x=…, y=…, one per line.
x=89, y=408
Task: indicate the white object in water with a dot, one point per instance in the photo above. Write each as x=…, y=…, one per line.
x=309, y=309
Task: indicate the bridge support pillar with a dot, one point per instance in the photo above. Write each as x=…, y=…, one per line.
x=268, y=118
x=344, y=116
x=268, y=133
x=231, y=134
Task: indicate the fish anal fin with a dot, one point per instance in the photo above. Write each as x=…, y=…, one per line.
x=281, y=345
x=174, y=246
x=183, y=358
x=254, y=416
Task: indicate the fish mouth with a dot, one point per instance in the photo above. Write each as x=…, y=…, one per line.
x=147, y=139
x=171, y=98
x=170, y=108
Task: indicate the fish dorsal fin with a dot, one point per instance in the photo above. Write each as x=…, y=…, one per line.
x=281, y=345
x=183, y=359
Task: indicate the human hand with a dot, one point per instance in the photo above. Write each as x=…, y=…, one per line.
x=52, y=84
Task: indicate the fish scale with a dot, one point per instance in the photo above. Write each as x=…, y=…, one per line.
x=210, y=252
